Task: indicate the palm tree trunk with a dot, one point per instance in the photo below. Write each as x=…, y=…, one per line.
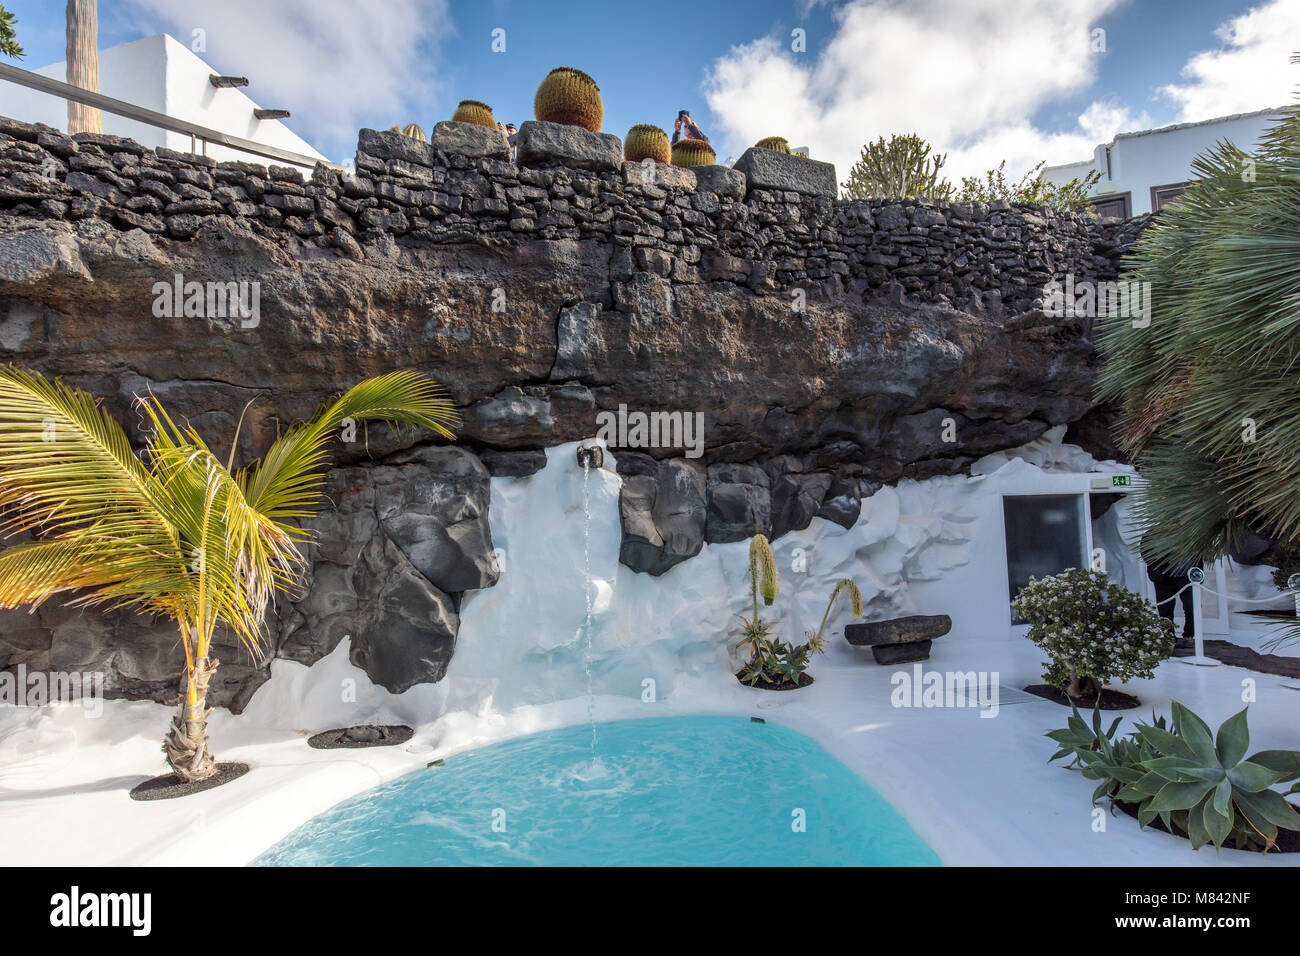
x=186, y=744
x=83, y=64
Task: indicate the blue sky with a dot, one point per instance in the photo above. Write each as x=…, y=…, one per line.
x=1015, y=79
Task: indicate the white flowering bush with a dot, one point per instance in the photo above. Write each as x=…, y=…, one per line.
x=1094, y=630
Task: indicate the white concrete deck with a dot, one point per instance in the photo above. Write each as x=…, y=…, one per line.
x=977, y=789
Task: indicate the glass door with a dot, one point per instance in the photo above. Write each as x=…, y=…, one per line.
x=1045, y=534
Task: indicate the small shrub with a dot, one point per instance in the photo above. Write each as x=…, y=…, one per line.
x=995, y=186
x=1095, y=631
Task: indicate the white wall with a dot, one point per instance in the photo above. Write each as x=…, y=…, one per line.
x=1161, y=157
x=161, y=74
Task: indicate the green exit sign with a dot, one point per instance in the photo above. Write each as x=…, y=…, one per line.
x=1121, y=481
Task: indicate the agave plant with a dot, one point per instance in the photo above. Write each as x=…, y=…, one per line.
x=178, y=533
x=1195, y=783
x=843, y=586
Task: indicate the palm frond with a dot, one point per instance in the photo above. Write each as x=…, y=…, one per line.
x=286, y=483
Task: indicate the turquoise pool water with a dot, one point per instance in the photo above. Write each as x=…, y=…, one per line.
x=676, y=791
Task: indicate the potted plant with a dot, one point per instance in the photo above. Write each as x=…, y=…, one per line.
x=775, y=143
x=472, y=111
x=645, y=141
x=693, y=152
x=1094, y=631
x=177, y=532
x=570, y=97
x=412, y=130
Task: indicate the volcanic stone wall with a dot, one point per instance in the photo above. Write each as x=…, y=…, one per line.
x=827, y=346
x=675, y=224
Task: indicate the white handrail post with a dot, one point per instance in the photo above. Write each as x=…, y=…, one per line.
x=1194, y=577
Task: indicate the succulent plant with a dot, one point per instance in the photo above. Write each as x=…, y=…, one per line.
x=412, y=130
x=570, y=97
x=472, y=111
x=647, y=142
x=776, y=143
x=1195, y=783
x=693, y=152
x=842, y=586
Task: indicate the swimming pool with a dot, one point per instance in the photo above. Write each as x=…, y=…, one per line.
x=675, y=791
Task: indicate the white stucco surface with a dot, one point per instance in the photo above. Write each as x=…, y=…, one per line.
x=162, y=74
x=1160, y=157
x=975, y=788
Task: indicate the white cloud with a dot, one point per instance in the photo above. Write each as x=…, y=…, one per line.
x=963, y=74
x=1250, y=71
x=337, y=65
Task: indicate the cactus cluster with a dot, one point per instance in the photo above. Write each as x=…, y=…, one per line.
x=645, y=141
x=775, y=143
x=570, y=97
x=472, y=111
x=693, y=152
x=410, y=129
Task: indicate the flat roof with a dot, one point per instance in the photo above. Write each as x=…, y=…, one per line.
x=1169, y=129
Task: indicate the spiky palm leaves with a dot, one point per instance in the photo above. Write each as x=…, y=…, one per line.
x=472, y=111
x=177, y=533
x=1209, y=390
x=645, y=141
x=570, y=97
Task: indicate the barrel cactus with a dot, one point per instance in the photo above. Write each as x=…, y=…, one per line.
x=472, y=111
x=410, y=129
x=645, y=141
x=775, y=143
x=693, y=152
x=570, y=97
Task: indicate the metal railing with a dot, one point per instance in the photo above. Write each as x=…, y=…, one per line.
x=197, y=134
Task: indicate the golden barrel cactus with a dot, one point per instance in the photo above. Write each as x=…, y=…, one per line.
x=647, y=142
x=570, y=97
x=776, y=143
x=693, y=152
x=413, y=130
x=472, y=111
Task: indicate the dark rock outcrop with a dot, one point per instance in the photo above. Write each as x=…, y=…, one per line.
x=901, y=640
x=828, y=345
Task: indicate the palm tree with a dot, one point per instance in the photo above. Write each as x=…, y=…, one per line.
x=83, y=64
x=178, y=533
x=1208, y=390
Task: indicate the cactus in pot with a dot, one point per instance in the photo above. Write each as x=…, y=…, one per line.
x=472, y=111
x=570, y=97
x=645, y=141
x=693, y=152
x=776, y=143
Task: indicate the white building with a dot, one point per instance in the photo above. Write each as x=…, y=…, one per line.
x=162, y=74
x=1142, y=171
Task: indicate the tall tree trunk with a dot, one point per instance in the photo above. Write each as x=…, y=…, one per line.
x=186, y=744
x=83, y=64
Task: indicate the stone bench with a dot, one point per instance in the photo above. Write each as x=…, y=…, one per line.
x=900, y=641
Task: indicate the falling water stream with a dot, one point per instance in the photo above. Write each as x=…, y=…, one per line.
x=586, y=624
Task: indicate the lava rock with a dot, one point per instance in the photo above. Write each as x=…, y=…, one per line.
x=663, y=511
x=469, y=139
x=555, y=144
x=768, y=169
